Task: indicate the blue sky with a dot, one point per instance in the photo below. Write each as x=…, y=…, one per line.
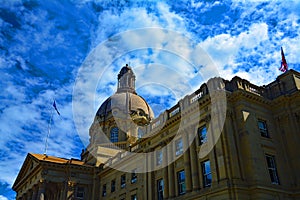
x=55, y=50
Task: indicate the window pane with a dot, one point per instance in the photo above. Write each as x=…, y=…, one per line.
x=272, y=169
x=113, y=185
x=207, y=167
x=269, y=161
x=178, y=147
x=114, y=134
x=208, y=179
x=262, y=125
x=202, y=134
x=159, y=157
x=206, y=173
x=80, y=192
x=181, y=182
x=104, y=190
x=181, y=176
x=133, y=197
x=123, y=181
x=133, y=176
x=160, y=189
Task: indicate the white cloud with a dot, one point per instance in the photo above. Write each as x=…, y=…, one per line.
x=24, y=125
x=223, y=48
x=111, y=22
x=3, y=197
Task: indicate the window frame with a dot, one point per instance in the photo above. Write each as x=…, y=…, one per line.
x=264, y=129
x=123, y=184
x=202, y=139
x=133, y=176
x=104, y=190
x=206, y=174
x=273, y=172
x=133, y=197
x=160, y=189
x=178, y=148
x=159, y=157
x=80, y=190
x=181, y=182
x=113, y=186
x=114, y=135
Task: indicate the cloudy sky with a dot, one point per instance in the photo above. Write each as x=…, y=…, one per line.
x=72, y=51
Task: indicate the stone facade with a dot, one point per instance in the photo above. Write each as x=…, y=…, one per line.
x=227, y=140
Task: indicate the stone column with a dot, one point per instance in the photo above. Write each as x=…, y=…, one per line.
x=165, y=172
x=34, y=193
x=62, y=191
x=41, y=190
x=194, y=166
x=186, y=159
x=171, y=177
x=29, y=195
x=150, y=160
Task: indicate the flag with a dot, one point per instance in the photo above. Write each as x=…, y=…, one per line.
x=284, y=65
x=54, y=105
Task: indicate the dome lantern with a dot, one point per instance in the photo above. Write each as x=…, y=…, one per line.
x=126, y=80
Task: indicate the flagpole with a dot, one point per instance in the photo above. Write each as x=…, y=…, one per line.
x=48, y=134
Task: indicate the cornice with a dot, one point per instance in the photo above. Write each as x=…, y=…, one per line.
x=242, y=94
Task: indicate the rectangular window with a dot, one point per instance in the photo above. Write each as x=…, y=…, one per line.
x=178, y=147
x=206, y=173
x=263, y=129
x=133, y=197
x=104, y=190
x=123, y=181
x=80, y=192
x=158, y=157
x=202, y=134
x=272, y=169
x=181, y=182
x=133, y=176
x=160, y=189
x=114, y=134
x=113, y=186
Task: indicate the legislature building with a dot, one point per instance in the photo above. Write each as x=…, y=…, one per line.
x=230, y=139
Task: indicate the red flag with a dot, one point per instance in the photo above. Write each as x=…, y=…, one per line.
x=284, y=65
x=54, y=105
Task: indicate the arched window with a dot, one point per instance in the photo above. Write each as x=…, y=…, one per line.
x=114, y=134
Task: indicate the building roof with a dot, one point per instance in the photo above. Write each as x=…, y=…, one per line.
x=53, y=159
